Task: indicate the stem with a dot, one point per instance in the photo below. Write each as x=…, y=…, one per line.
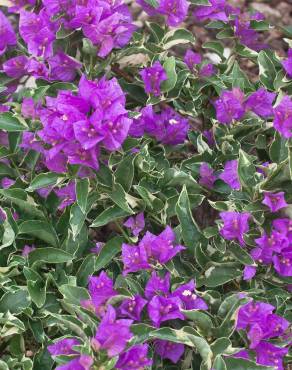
x=123, y=232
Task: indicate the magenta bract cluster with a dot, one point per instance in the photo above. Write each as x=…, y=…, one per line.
x=258, y=319
x=95, y=117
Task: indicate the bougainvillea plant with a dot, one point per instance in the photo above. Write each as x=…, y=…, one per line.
x=146, y=187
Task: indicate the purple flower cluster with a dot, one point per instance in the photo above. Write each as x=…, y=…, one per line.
x=113, y=333
x=276, y=248
x=220, y=10
x=168, y=126
x=135, y=358
x=235, y=226
x=231, y=105
x=76, y=126
x=230, y=174
x=17, y=5
x=136, y=224
x=59, y=67
x=66, y=194
x=217, y=10
x=152, y=78
x=107, y=24
x=207, y=177
x=192, y=60
x=245, y=34
x=283, y=117
x=287, y=64
x=7, y=34
x=175, y=11
x=65, y=347
x=150, y=250
x=100, y=289
x=275, y=201
x=261, y=324
x=38, y=32
x=163, y=305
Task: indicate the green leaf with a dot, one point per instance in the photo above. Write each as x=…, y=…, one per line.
x=108, y=251
x=10, y=123
x=136, y=92
x=219, y=363
x=14, y=140
x=125, y=172
x=202, y=321
x=187, y=336
x=174, y=177
x=69, y=322
x=153, y=3
x=19, y=198
x=150, y=200
x=86, y=269
x=190, y=231
x=242, y=364
x=156, y=31
x=245, y=52
x=77, y=219
x=40, y=230
x=219, y=206
x=228, y=325
x=200, y=2
x=219, y=275
x=82, y=189
x=278, y=149
x=49, y=255
x=240, y=254
x=169, y=66
x=260, y=25
x=43, y=180
x=43, y=360
x=8, y=235
x=36, y=286
x=239, y=78
x=215, y=46
x=267, y=70
x=14, y=301
x=118, y=195
x=177, y=36
x=74, y=294
x=217, y=25
x=227, y=33
x=6, y=170
x=220, y=345
x=3, y=365
x=110, y=214
x=246, y=170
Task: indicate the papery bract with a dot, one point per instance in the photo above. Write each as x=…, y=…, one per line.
x=152, y=78
x=63, y=347
x=136, y=224
x=275, y=201
x=169, y=350
x=230, y=174
x=235, y=226
x=287, y=64
x=7, y=34
x=163, y=309
x=134, y=359
x=229, y=106
x=131, y=308
x=113, y=334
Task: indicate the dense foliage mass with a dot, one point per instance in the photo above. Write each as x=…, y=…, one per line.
x=145, y=189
